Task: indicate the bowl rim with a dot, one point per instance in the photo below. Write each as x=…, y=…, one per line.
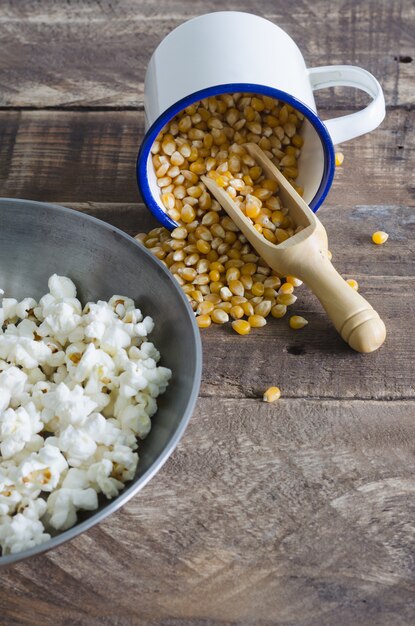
x=127, y=493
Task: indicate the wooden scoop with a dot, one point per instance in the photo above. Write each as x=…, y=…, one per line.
x=305, y=255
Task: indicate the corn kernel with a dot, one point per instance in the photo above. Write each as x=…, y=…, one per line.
x=205, y=308
x=286, y=288
x=203, y=321
x=339, y=158
x=296, y=322
x=278, y=310
x=236, y=312
x=286, y=298
x=296, y=282
x=219, y=316
x=272, y=394
x=242, y=327
x=379, y=237
x=353, y=283
x=257, y=321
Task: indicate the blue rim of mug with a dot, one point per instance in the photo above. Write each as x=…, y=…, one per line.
x=152, y=133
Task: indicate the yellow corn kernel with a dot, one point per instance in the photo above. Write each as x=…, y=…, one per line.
x=353, y=283
x=272, y=394
x=179, y=233
x=168, y=200
x=197, y=295
x=213, y=297
x=203, y=321
x=379, y=237
x=296, y=282
x=258, y=227
x=269, y=235
x=236, y=312
x=258, y=289
x=187, y=214
x=187, y=273
x=286, y=298
x=297, y=322
x=248, y=269
x=224, y=306
x=272, y=282
x=278, y=310
x=297, y=141
x=214, y=275
x=205, y=308
x=236, y=287
x=339, y=158
x=203, y=246
x=286, y=288
x=219, y=316
x=242, y=327
x=263, y=308
x=235, y=300
x=247, y=307
x=257, y=321
x=233, y=273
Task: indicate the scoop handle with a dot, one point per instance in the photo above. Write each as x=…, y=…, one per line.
x=353, y=317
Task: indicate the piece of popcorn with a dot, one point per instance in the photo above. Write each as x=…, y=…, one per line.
x=24, y=307
x=144, y=328
x=71, y=406
x=61, y=287
x=22, y=531
x=77, y=445
x=135, y=418
x=17, y=428
x=124, y=461
x=63, y=503
x=43, y=470
x=9, y=495
x=99, y=475
x=9, y=308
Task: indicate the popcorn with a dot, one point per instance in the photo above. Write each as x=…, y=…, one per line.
x=22, y=531
x=77, y=445
x=77, y=390
x=16, y=429
x=63, y=503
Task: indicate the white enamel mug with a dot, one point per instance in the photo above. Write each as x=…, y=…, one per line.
x=229, y=52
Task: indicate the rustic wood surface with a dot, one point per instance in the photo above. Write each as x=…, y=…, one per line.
x=300, y=513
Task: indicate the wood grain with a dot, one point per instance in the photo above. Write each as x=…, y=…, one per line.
x=90, y=156
x=299, y=513
x=95, y=53
x=295, y=514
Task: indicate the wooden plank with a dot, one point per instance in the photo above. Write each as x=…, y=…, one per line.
x=96, y=53
x=349, y=230
x=294, y=514
x=315, y=362
x=90, y=156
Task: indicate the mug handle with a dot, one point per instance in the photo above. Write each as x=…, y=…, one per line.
x=349, y=126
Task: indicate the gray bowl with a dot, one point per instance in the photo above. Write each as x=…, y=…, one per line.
x=37, y=240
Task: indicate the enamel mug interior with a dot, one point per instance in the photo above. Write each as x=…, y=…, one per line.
x=316, y=163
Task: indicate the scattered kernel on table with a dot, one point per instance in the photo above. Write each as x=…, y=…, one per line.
x=242, y=327
x=353, y=283
x=208, y=256
x=379, y=237
x=339, y=158
x=297, y=322
x=272, y=394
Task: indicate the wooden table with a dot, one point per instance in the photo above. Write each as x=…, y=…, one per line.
x=297, y=513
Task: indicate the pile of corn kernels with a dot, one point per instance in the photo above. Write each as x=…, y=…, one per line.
x=219, y=271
